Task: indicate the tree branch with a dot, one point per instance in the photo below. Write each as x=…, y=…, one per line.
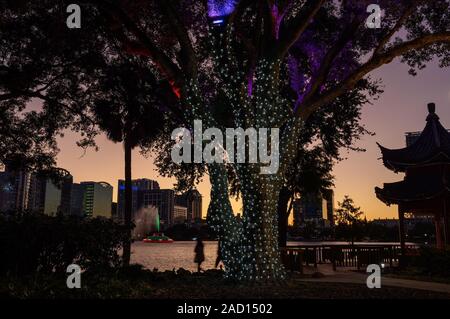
x=269, y=27
x=166, y=65
x=396, y=27
x=300, y=24
x=188, y=55
x=248, y=43
x=49, y=100
x=309, y=106
x=327, y=63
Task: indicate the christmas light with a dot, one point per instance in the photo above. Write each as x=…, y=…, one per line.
x=250, y=244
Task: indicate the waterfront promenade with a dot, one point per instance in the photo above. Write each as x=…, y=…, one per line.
x=350, y=276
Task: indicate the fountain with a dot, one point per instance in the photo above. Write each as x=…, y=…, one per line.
x=147, y=221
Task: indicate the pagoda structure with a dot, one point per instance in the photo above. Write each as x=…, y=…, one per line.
x=425, y=189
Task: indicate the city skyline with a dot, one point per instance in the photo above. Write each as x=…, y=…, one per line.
x=31, y=191
x=400, y=109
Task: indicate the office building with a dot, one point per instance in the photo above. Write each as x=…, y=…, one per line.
x=114, y=211
x=180, y=214
x=297, y=212
x=76, y=200
x=314, y=207
x=192, y=200
x=50, y=195
x=47, y=194
x=164, y=200
x=138, y=187
x=14, y=186
x=328, y=195
x=97, y=199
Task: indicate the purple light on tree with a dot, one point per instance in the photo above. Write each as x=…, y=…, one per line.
x=220, y=8
x=277, y=17
x=298, y=81
x=250, y=82
x=315, y=55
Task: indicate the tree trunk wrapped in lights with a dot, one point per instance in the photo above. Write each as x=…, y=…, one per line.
x=250, y=246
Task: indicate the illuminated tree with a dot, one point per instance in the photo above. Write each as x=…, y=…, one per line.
x=253, y=44
x=240, y=53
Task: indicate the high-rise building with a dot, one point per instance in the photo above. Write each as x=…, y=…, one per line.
x=314, y=206
x=138, y=186
x=7, y=197
x=297, y=212
x=328, y=195
x=50, y=196
x=76, y=200
x=192, y=200
x=20, y=190
x=97, y=199
x=164, y=200
x=180, y=214
x=114, y=211
x=14, y=186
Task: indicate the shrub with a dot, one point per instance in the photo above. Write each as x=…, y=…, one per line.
x=433, y=262
x=35, y=243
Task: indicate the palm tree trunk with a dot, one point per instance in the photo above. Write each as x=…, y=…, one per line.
x=128, y=204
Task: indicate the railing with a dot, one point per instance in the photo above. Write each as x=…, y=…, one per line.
x=356, y=256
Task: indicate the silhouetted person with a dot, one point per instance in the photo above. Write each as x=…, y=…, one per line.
x=199, y=254
x=219, y=254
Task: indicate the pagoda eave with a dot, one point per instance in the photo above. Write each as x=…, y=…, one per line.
x=425, y=189
x=439, y=158
x=394, y=198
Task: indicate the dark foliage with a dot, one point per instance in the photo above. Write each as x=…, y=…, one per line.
x=136, y=283
x=379, y=232
x=33, y=243
x=433, y=262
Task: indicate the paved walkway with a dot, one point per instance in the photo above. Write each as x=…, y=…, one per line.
x=348, y=276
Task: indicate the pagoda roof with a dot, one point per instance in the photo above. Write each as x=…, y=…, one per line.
x=433, y=145
x=414, y=188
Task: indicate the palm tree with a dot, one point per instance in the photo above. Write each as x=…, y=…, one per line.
x=128, y=112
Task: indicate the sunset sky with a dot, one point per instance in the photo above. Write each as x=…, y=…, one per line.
x=402, y=108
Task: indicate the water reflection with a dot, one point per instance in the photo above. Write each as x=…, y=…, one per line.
x=180, y=254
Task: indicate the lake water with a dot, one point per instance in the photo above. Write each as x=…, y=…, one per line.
x=180, y=254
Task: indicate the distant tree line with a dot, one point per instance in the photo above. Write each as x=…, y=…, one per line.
x=421, y=232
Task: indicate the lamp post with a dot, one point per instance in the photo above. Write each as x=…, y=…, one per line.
x=219, y=11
